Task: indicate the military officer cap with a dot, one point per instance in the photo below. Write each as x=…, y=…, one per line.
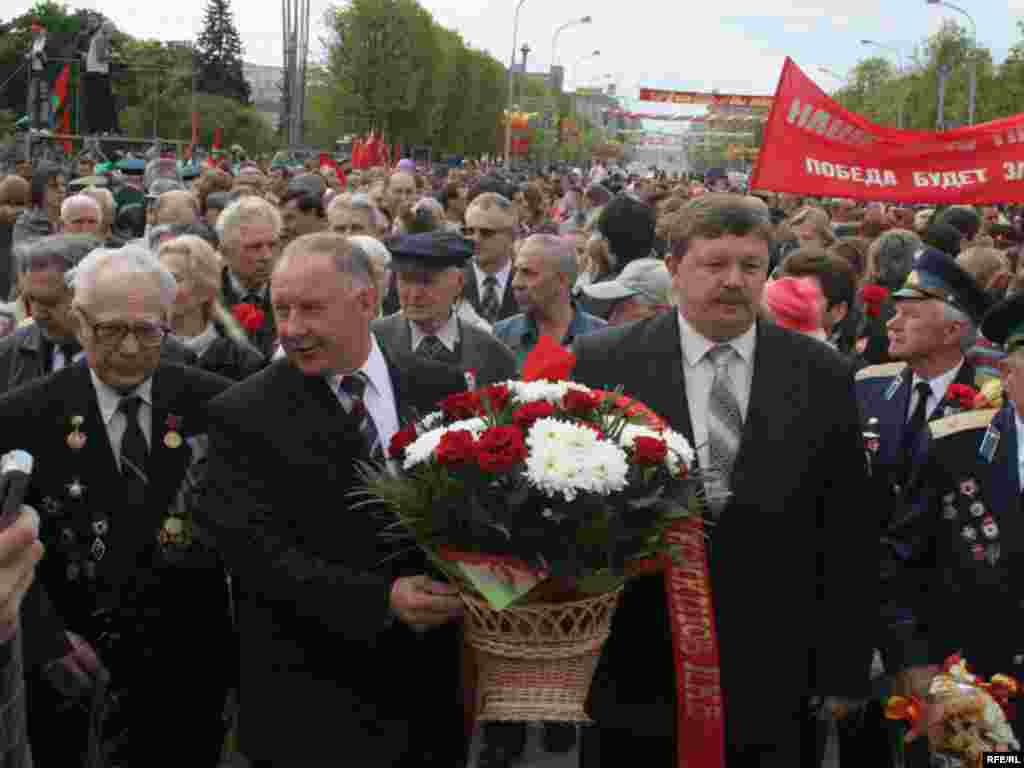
x=430, y=252
x=1004, y=324
x=936, y=275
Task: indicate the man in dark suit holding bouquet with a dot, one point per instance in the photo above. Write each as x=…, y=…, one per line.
x=791, y=558
x=342, y=643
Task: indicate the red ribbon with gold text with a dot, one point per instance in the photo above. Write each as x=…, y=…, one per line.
x=700, y=731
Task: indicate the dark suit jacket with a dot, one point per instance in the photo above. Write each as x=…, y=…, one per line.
x=791, y=563
x=233, y=358
x=37, y=418
x=314, y=615
x=265, y=336
x=471, y=293
x=477, y=351
x=23, y=356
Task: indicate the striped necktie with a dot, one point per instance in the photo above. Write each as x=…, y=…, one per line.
x=725, y=425
x=489, y=304
x=354, y=386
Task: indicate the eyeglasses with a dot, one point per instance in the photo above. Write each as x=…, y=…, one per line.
x=146, y=334
x=485, y=234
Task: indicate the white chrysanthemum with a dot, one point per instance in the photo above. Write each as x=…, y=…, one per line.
x=679, y=451
x=423, y=447
x=536, y=391
x=431, y=420
x=566, y=459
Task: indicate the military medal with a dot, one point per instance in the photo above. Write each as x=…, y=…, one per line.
x=872, y=442
x=90, y=570
x=969, y=487
x=51, y=506
x=173, y=438
x=67, y=536
x=100, y=527
x=75, y=489
x=948, y=512
x=977, y=509
x=76, y=440
x=992, y=553
x=979, y=552
x=99, y=549
x=72, y=571
x=989, y=443
x=969, y=533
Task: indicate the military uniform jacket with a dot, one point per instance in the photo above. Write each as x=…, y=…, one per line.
x=973, y=564
x=102, y=548
x=477, y=351
x=883, y=392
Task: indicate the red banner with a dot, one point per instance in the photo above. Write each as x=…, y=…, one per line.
x=700, y=98
x=813, y=146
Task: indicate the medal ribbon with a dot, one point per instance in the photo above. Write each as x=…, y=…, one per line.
x=700, y=732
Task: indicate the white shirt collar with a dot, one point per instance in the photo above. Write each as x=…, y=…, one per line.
x=502, y=276
x=375, y=368
x=696, y=345
x=109, y=398
x=448, y=334
x=939, y=384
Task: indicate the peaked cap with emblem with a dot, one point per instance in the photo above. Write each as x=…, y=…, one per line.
x=936, y=275
x=430, y=252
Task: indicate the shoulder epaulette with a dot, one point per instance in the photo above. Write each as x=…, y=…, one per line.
x=961, y=422
x=882, y=371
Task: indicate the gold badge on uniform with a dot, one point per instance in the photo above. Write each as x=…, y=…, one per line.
x=76, y=439
x=173, y=438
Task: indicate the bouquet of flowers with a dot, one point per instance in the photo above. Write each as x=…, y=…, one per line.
x=538, y=498
x=964, y=716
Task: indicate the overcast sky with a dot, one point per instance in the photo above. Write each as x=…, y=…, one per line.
x=732, y=45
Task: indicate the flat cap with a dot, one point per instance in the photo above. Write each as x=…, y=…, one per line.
x=430, y=251
x=936, y=275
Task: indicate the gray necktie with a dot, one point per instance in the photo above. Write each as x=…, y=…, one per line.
x=489, y=304
x=725, y=424
x=431, y=348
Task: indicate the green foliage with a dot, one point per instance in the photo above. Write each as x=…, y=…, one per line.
x=241, y=124
x=219, y=54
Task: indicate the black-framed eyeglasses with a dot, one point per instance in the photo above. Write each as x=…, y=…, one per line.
x=146, y=334
x=484, y=232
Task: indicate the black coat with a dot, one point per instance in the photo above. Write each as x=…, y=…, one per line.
x=232, y=358
x=322, y=662
x=471, y=293
x=265, y=336
x=791, y=558
x=156, y=604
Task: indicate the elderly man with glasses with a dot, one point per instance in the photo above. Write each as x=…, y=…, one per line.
x=128, y=584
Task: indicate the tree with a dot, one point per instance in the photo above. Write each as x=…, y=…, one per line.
x=219, y=54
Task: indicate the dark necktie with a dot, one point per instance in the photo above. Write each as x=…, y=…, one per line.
x=917, y=421
x=134, y=450
x=431, y=348
x=252, y=298
x=489, y=304
x=355, y=387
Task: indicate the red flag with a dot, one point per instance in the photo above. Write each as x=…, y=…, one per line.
x=65, y=128
x=814, y=146
x=357, y=155
x=60, y=88
x=218, y=137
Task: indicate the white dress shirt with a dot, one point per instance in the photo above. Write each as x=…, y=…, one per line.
x=60, y=362
x=939, y=386
x=1020, y=449
x=699, y=375
x=448, y=334
x=502, y=276
x=114, y=420
x=380, y=395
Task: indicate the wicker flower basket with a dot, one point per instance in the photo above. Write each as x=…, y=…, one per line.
x=535, y=662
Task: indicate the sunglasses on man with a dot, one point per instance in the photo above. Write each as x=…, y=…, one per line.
x=484, y=232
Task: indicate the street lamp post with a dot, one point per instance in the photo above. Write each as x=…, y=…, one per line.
x=554, y=37
x=575, y=86
x=972, y=83
x=511, y=70
x=901, y=70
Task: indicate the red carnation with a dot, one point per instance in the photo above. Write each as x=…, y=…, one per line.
x=249, y=316
x=456, y=447
x=962, y=394
x=500, y=449
x=401, y=440
x=524, y=416
x=461, y=405
x=579, y=402
x=649, y=450
x=873, y=297
x=497, y=395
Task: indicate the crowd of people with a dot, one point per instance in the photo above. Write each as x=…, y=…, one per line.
x=198, y=376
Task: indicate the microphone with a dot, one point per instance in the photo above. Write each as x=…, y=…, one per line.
x=15, y=475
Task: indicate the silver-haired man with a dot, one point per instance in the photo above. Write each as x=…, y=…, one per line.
x=118, y=442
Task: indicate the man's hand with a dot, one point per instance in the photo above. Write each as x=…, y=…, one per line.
x=20, y=550
x=78, y=672
x=421, y=602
